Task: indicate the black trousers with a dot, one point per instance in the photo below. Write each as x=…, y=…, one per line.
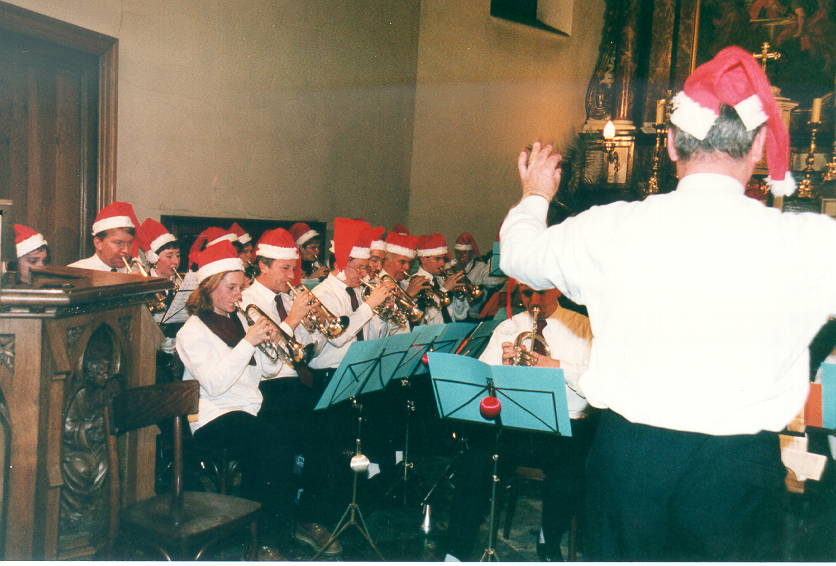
x=657, y=494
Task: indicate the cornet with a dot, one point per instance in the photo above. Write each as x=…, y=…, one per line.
x=403, y=308
x=161, y=301
x=524, y=357
x=467, y=290
x=291, y=352
x=432, y=297
x=320, y=318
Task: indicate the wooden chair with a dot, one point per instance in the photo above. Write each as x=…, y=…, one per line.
x=178, y=524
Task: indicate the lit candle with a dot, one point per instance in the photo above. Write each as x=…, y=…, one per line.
x=660, y=111
x=609, y=131
x=816, y=115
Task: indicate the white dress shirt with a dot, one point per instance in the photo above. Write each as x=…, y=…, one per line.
x=569, y=338
x=96, y=264
x=227, y=380
x=702, y=301
x=265, y=299
x=332, y=294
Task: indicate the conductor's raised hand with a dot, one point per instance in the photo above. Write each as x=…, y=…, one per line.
x=539, y=171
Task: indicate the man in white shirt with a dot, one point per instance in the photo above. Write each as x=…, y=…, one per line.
x=433, y=254
x=569, y=338
x=476, y=271
x=288, y=401
x=113, y=237
x=703, y=303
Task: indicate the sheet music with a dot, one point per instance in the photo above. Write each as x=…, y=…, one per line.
x=177, y=310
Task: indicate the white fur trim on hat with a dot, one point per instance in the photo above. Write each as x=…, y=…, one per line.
x=360, y=253
x=690, y=117
x=378, y=245
x=161, y=241
x=782, y=188
x=152, y=257
x=245, y=238
x=433, y=252
x=220, y=266
x=306, y=236
x=751, y=112
x=276, y=252
x=31, y=243
x=231, y=237
x=112, y=222
x=400, y=250
x=462, y=247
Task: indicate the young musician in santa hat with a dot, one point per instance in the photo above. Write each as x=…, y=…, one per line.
x=162, y=250
x=433, y=254
x=225, y=358
x=31, y=249
x=703, y=302
x=377, y=252
x=309, y=242
x=476, y=270
x=113, y=237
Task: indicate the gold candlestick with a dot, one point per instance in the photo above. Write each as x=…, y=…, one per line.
x=653, y=183
x=805, y=187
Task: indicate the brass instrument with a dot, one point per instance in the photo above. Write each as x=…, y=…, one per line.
x=320, y=318
x=432, y=297
x=524, y=357
x=288, y=351
x=401, y=310
x=468, y=290
x=161, y=301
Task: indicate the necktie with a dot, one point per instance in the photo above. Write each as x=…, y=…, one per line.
x=445, y=315
x=302, y=369
x=355, y=304
x=538, y=346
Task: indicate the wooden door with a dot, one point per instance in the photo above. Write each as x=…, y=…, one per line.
x=57, y=127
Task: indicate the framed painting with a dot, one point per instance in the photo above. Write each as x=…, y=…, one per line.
x=801, y=31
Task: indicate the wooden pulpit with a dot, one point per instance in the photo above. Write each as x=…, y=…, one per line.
x=68, y=342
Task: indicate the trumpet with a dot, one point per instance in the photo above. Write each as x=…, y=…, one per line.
x=161, y=301
x=524, y=357
x=320, y=318
x=467, y=290
x=433, y=297
x=403, y=308
x=291, y=352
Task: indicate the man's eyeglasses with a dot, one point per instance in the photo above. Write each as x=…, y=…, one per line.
x=360, y=269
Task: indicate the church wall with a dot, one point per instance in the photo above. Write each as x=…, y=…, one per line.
x=486, y=89
x=265, y=109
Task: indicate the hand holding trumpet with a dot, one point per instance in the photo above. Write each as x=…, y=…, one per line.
x=380, y=293
x=303, y=304
x=261, y=331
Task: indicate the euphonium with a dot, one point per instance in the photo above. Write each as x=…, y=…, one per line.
x=403, y=308
x=160, y=301
x=328, y=324
x=524, y=357
x=290, y=352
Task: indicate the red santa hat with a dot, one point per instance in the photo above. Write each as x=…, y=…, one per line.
x=211, y=235
x=27, y=240
x=401, y=244
x=431, y=246
x=279, y=244
x=115, y=215
x=735, y=78
x=301, y=233
x=400, y=229
x=466, y=242
x=378, y=243
x=152, y=236
x=217, y=258
x=352, y=238
x=240, y=233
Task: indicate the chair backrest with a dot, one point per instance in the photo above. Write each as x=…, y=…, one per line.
x=141, y=407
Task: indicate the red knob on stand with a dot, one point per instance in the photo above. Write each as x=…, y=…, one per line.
x=489, y=408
